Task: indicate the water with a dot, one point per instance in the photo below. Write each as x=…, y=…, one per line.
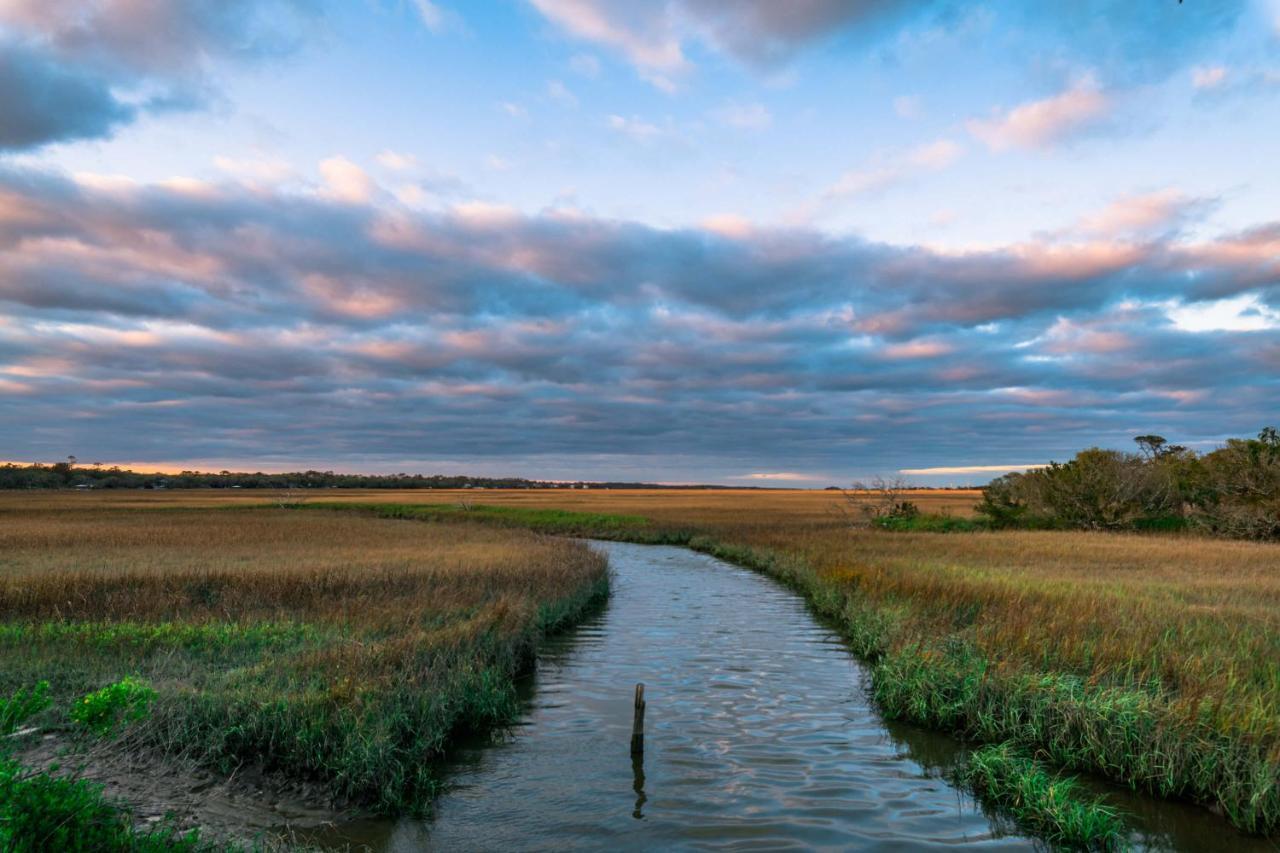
x=759, y=736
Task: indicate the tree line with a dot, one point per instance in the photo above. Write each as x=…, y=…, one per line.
x=70, y=474
x=1231, y=491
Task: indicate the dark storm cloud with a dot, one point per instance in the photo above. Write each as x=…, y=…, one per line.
x=192, y=321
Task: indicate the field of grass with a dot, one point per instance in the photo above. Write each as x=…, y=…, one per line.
x=339, y=648
x=1153, y=660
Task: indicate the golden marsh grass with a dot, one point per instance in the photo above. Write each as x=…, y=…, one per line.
x=344, y=648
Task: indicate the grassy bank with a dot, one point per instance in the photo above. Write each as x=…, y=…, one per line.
x=1054, y=807
x=1150, y=660
x=341, y=649
x=1162, y=676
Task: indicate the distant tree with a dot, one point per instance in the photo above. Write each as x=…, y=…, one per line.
x=867, y=502
x=1156, y=446
x=1005, y=501
x=1241, y=488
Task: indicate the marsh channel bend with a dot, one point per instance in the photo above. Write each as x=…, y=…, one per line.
x=760, y=735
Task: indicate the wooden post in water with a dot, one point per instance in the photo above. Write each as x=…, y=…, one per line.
x=637, y=723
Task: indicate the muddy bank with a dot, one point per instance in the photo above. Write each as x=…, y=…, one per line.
x=246, y=806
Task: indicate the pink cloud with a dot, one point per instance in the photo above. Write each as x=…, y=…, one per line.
x=1208, y=77
x=930, y=157
x=347, y=181
x=917, y=349
x=1044, y=123
x=648, y=40
x=1137, y=214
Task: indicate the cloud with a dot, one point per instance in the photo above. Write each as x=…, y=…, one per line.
x=1130, y=43
x=346, y=180
x=81, y=70
x=585, y=64
x=431, y=15
x=921, y=348
x=1145, y=214
x=781, y=476
x=907, y=106
x=1045, y=123
x=931, y=157
x=644, y=34
x=1216, y=84
x=396, y=161
x=635, y=127
x=1126, y=43
x=968, y=469
x=654, y=37
x=729, y=225
x=752, y=116
x=1208, y=76
x=42, y=102
x=1244, y=313
x=238, y=322
x=256, y=170
x=559, y=92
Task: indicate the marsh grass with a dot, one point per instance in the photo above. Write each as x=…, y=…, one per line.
x=23, y=704
x=1054, y=807
x=1159, y=677
x=558, y=522
x=1152, y=660
x=345, y=649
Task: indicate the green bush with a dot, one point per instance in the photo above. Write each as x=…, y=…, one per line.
x=126, y=701
x=39, y=812
x=928, y=523
x=1232, y=491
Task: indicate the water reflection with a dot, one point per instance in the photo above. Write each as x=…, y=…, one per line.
x=637, y=784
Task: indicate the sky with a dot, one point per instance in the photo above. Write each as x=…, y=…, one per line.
x=730, y=241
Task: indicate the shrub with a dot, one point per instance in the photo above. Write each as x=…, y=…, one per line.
x=126, y=701
x=1241, y=494
x=1232, y=491
x=39, y=812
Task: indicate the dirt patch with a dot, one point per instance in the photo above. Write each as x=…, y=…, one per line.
x=247, y=806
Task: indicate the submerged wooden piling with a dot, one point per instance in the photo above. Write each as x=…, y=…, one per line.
x=637, y=722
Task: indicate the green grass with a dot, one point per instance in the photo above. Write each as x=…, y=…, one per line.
x=931, y=523
x=558, y=522
x=23, y=704
x=40, y=812
x=1053, y=807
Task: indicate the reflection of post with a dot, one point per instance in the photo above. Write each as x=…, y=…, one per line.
x=637, y=784
x=637, y=723
x=637, y=753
